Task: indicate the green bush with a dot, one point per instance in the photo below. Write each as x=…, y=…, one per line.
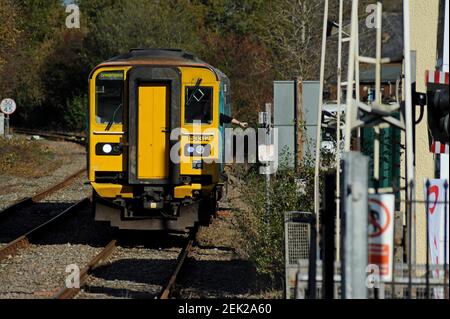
x=262, y=230
x=75, y=113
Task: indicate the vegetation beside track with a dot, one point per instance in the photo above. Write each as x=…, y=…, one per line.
x=261, y=229
x=24, y=158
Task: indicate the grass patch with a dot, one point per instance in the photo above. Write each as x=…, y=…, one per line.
x=23, y=158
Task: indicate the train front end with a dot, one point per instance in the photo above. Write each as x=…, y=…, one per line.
x=154, y=143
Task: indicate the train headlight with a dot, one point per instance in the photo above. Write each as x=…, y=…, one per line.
x=107, y=148
x=200, y=149
x=197, y=150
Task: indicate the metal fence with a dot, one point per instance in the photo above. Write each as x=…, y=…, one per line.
x=419, y=287
x=299, y=234
x=410, y=281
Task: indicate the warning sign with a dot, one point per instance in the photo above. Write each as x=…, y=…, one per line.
x=436, y=195
x=381, y=233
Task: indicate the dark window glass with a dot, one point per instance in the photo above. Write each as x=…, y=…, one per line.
x=109, y=97
x=198, y=106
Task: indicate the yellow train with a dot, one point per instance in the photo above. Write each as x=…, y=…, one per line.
x=155, y=144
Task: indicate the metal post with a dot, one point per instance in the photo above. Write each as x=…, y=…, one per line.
x=2, y=123
x=338, y=133
x=328, y=242
x=410, y=189
x=296, y=144
x=268, y=165
x=446, y=230
x=7, y=131
x=350, y=112
x=319, y=119
x=355, y=214
x=312, y=265
x=410, y=173
x=427, y=265
x=357, y=87
x=376, y=149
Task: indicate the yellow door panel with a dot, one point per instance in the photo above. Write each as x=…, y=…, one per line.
x=152, y=149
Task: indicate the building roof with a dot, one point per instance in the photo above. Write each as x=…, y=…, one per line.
x=392, y=47
x=392, y=36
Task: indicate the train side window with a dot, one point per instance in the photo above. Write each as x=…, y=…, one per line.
x=109, y=97
x=198, y=106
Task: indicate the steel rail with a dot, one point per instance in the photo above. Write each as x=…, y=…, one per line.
x=40, y=196
x=61, y=136
x=167, y=290
x=23, y=241
x=55, y=133
x=72, y=292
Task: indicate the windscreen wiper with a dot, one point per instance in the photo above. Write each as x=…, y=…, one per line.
x=197, y=86
x=110, y=123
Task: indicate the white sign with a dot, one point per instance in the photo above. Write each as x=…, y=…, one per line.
x=266, y=153
x=435, y=195
x=381, y=233
x=8, y=106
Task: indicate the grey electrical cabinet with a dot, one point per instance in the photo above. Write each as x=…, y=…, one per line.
x=284, y=97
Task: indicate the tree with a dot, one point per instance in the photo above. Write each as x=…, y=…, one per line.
x=64, y=79
x=229, y=16
x=248, y=65
x=23, y=73
x=40, y=20
x=9, y=30
x=142, y=24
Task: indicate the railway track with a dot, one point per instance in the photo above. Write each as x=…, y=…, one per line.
x=168, y=289
x=23, y=241
x=108, y=251
x=58, y=136
x=69, y=292
x=26, y=201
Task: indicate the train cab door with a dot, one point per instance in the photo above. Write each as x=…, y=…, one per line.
x=151, y=142
x=152, y=158
x=153, y=110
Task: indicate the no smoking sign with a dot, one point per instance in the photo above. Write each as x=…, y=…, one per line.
x=381, y=233
x=379, y=217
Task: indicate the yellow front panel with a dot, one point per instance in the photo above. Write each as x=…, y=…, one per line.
x=113, y=190
x=152, y=162
x=98, y=133
x=104, y=163
x=200, y=134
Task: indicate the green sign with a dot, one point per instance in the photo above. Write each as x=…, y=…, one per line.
x=113, y=75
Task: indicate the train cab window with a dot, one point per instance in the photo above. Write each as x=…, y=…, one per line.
x=109, y=97
x=198, y=106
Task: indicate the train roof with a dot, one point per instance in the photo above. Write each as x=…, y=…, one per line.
x=163, y=57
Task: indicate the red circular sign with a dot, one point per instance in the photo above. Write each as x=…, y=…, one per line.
x=376, y=222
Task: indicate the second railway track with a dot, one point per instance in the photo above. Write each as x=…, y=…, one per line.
x=23, y=240
x=20, y=204
x=57, y=136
